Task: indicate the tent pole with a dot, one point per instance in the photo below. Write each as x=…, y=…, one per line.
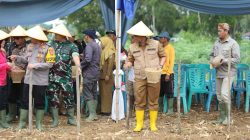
x=118, y=48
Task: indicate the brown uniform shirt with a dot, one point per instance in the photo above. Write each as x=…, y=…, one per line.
x=145, y=58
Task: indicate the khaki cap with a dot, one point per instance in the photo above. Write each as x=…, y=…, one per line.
x=3, y=35
x=224, y=26
x=140, y=29
x=18, y=31
x=37, y=33
x=61, y=30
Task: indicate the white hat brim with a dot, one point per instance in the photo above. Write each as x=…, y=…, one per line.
x=61, y=30
x=140, y=29
x=37, y=33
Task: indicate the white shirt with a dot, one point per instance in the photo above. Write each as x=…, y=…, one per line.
x=131, y=74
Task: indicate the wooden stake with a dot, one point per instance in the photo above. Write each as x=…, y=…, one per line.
x=128, y=101
x=30, y=100
x=229, y=90
x=178, y=98
x=78, y=100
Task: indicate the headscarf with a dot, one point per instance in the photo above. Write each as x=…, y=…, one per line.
x=108, y=49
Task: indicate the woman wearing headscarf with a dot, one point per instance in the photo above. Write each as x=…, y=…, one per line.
x=106, y=80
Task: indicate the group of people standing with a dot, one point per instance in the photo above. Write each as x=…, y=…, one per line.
x=48, y=65
x=148, y=53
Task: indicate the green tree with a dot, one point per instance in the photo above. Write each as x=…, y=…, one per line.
x=88, y=17
x=159, y=15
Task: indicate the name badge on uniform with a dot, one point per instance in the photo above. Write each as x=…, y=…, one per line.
x=51, y=56
x=151, y=49
x=135, y=52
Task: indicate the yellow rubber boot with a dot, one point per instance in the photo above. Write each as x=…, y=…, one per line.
x=139, y=120
x=153, y=118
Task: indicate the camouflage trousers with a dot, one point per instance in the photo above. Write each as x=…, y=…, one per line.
x=63, y=87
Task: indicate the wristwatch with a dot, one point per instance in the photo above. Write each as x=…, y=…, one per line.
x=161, y=66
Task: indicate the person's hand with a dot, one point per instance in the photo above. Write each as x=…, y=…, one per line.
x=79, y=71
x=10, y=64
x=32, y=66
x=167, y=77
x=106, y=78
x=126, y=66
x=13, y=57
x=212, y=65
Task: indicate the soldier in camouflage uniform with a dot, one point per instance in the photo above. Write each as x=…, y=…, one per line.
x=60, y=80
x=15, y=89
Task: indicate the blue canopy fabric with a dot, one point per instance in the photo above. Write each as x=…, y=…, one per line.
x=127, y=7
x=108, y=12
x=218, y=7
x=26, y=12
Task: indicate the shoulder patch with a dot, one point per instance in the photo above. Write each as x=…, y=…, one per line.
x=51, y=56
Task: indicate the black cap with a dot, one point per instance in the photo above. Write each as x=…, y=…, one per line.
x=91, y=33
x=111, y=32
x=156, y=38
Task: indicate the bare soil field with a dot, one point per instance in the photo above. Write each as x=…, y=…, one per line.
x=195, y=125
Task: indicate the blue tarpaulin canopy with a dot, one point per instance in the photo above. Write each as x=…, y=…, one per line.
x=219, y=7
x=24, y=12
x=108, y=12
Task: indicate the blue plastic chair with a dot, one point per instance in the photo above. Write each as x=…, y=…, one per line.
x=240, y=87
x=197, y=82
x=247, y=91
x=206, y=68
x=211, y=89
x=183, y=85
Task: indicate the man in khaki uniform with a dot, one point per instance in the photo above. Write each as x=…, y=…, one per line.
x=145, y=53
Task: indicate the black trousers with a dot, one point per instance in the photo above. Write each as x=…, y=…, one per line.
x=38, y=94
x=167, y=87
x=3, y=97
x=15, y=92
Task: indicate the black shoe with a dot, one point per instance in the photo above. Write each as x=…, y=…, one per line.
x=105, y=114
